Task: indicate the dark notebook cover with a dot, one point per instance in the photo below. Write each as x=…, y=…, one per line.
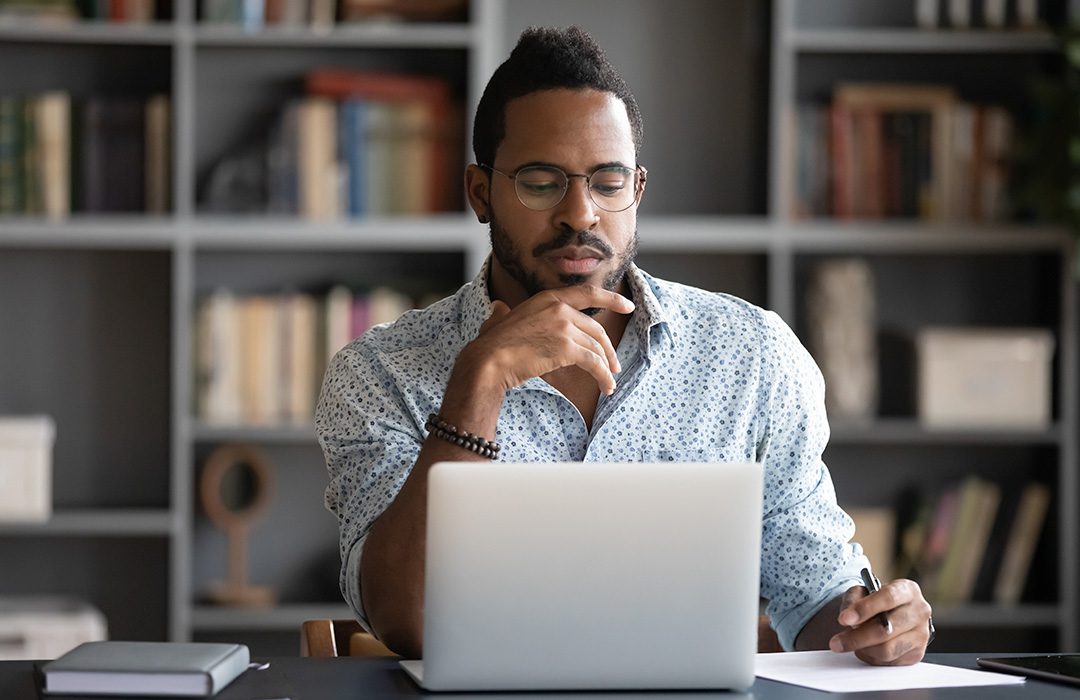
x=268, y=684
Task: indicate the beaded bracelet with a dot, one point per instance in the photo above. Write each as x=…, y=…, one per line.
x=444, y=431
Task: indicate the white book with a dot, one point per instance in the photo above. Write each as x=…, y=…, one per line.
x=338, y=310
x=191, y=669
x=218, y=359
x=52, y=112
x=386, y=305
x=994, y=13
x=926, y=14
x=960, y=13
x=318, y=164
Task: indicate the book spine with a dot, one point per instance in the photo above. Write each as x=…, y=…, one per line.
x=11, y=159
x=158, y=162
x=228, y=668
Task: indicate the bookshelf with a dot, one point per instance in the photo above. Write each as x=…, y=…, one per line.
x=130, y=448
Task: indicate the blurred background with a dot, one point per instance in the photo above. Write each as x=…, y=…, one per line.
x=202, y=200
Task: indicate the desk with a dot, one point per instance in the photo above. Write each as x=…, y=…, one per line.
x=382, y=679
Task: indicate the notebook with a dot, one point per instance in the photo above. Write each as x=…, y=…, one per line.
x=587, y=576
x=191, y=669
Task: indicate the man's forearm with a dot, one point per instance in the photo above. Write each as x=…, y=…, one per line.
x=821, y=627
x=392, y=565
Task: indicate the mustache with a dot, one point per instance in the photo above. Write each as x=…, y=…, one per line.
x=582, y=238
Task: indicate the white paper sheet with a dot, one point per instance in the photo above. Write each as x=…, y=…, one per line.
x=843, y=673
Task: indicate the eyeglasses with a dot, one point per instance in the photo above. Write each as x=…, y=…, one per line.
x=541, y=187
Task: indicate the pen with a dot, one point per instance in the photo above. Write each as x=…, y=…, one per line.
x=874, y=585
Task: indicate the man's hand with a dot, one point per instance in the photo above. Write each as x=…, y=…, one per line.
x=547, y=332
x=909, y=613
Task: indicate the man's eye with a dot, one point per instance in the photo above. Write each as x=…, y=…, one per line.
x=608, y=189
x=540, y=187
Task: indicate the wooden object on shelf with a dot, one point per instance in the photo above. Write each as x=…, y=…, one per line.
x=235, y=520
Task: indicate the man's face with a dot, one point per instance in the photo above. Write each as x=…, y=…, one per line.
x=575, y=242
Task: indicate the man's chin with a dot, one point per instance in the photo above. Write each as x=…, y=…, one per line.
x=573, y=280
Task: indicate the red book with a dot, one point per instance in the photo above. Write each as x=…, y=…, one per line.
x=842, y=145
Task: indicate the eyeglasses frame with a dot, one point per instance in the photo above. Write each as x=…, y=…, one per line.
x=639, y=185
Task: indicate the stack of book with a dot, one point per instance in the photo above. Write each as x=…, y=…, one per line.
x=366, y=143
x=974, y=541
x=323, y=14
x=133, y=11
x=95, y=155
x=260, y=359
x=883, y=151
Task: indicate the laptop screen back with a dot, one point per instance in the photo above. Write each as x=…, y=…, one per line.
x=591, y=576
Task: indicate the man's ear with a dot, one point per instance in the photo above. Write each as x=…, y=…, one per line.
x=478, y=192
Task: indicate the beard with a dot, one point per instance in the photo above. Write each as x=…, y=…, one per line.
x=513, y=261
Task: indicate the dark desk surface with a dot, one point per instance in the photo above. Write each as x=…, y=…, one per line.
x=382, y=679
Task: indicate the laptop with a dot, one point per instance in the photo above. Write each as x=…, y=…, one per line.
x=588, y=576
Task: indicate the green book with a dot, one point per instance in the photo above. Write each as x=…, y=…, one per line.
x=11, y=158
x=32, y=196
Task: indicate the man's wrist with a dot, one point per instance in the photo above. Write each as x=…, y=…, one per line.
x=474, y=394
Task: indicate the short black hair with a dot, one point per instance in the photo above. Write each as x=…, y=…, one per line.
x=547, y=58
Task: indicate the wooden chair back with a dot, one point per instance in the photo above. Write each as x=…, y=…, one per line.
x=328, y=638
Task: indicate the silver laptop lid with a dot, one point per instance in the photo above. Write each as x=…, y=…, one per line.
x=591, y=576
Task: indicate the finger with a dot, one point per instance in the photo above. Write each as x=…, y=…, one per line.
x=594, y=330
x=499, y=311
x=868, y=634
x=901, y=650
x=911, y=618
x=589, y=355
x=892, y=595
x=585, y=296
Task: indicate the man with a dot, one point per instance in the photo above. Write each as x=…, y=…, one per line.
x=561, y=349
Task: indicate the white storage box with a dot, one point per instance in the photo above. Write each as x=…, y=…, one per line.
x=985, y=377
x=45, y=628
x=26, y=468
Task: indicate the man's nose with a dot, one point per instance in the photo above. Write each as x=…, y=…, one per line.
x=577, y=208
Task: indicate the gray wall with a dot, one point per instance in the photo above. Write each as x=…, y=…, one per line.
x=706, y=153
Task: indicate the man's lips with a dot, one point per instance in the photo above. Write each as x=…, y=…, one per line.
x=575, y=260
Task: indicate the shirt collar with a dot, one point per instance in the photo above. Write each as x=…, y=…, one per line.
x=648, y=315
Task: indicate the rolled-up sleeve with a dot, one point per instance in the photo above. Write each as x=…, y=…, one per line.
x=806, y=557
x=370, y=441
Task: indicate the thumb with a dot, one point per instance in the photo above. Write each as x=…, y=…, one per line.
x=499, y=311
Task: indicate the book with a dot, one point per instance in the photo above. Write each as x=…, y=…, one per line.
x=972, y=542
x=299, y=362
x=113, y=158
x=935, y=101
x=398, y=124
x=52, y=112
x=995, y=547
x=338, y=313
x=218, y=359
x=191, y=669
x=1020, y=545
x=11, y=159
x=158, y=162
x=317, y=159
